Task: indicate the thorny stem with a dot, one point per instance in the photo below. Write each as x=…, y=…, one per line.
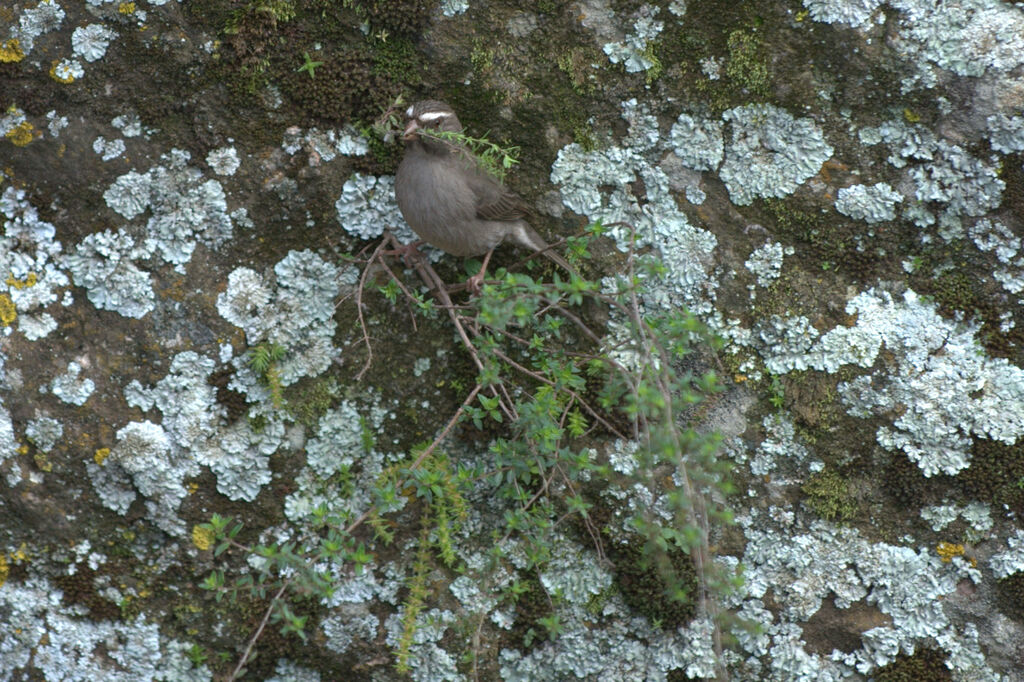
x=259, y=631
x=653, y=355
x=698, y=513
x=426, y=452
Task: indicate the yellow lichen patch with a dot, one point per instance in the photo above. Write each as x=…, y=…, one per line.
x=5, y=569
x=202, y=537
x=22, y=449
x=192, y=487
x=11, y=51
x=947, y=550
x=29, y=281
x=8, y=313
x=64, y=76
x=21, y=134
x=126, y=8
x=101, y=455
x=43, y=462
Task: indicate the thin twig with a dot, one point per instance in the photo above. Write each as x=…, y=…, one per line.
x=544, y=380
x=426, y=453
x=359, y=312
x=259, y=631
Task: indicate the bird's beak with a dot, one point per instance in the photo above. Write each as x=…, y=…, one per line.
x=410, y=130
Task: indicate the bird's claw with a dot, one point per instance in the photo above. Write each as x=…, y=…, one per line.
x=475, y=283
x=406, y=251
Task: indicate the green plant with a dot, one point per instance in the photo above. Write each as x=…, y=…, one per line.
x=197, y=654
x=549, y=384
x=549, y=379
x=493, y=158
x=829, y=496
x=776, y=392
x=309, y=65
x=263, y=360
x=286, y=569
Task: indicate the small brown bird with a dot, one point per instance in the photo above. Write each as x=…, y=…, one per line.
x=450, y=202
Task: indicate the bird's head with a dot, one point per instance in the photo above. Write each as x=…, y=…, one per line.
x=429, y=115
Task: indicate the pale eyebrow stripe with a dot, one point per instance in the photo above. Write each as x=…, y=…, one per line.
x=433, y=115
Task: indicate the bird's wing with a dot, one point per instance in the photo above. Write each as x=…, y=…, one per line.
x=506, y=206
x=493, y=200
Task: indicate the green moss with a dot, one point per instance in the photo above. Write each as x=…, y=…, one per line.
x=348, y=87
x=953, y=276
x=308, y=400
x=650, y=53
x=909, y=488
x=583, y=135
x=482, y=57
x=645, y=579
x=79, y=589
x=532, y=605
x=257, y=423
x=953, y=290
x=792, y=219
x=280, y=10
x=747, y=66
x=828, y=495
x=401, y=18
x=831, y=240
x=397, y=60
x=996, y=474
x=577, y=63
x=1011, y=596
x=383, y=158
x=926, y=665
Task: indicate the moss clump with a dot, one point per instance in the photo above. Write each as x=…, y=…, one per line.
x=310, y=399
x=405, y=18
x=1011, y=596
x=79, y=588
x=532, y=604
x=397, y=60
x=577, y=63
x=909, y=488
x=953, y=290
x=645, y=588
x=828, y=496
x=831, y=240
x=346, y=87
x=746, y=66
x=949, y=274
x=383, y=158
x=996, y=474
x=926, y=665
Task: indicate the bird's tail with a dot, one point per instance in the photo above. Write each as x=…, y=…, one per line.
x=524, y=235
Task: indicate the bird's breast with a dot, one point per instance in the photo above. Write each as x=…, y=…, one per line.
x=439, y=206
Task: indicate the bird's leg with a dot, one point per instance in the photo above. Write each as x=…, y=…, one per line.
x=404, y=250
x=476, y=281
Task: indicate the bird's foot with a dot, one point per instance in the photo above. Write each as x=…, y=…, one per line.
x=406, y=251
x=475, y=283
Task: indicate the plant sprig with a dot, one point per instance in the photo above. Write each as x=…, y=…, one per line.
x=493, y=158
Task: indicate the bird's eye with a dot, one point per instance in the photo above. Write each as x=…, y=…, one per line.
x=432, y=119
